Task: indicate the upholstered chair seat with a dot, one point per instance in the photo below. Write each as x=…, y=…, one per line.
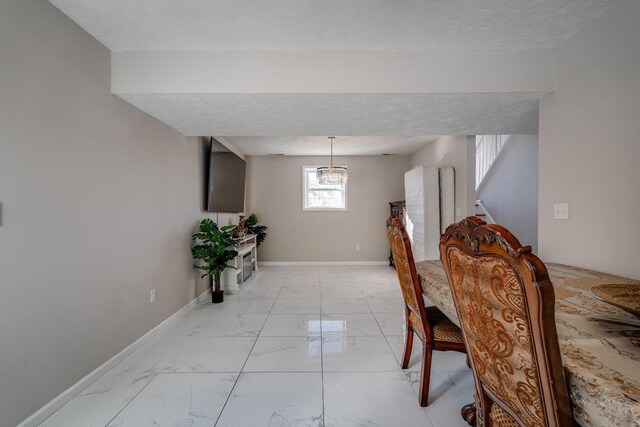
x=443, y=329
x=500, y=418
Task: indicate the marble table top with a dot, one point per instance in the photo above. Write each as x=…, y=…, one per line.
x=600, y=343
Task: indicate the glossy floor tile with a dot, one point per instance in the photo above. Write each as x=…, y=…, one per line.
x=372, y=399
x=345, y=305
x=220, y=325
x=292, y=325
x=381, y=303
x=210, y=354
x=342, y=354
x=178, y=400
x=300, y=346
x=299, y=292
x=285, y=354
x=332, y=290
x=350, y=325
x=101, y=402
x=302, y=305
x=275, y=399
x=391, y=323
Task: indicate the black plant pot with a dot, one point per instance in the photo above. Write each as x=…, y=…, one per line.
x=217, y=297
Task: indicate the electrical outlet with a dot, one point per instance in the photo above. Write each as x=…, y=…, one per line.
x=152, y=296
x=358, y=248
x=561, y=211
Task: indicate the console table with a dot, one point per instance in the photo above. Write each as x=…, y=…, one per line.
x=246, y=264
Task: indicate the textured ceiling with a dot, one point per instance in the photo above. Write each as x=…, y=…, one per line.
x=337, y=25
x=319, y=145
x=326, y=25
x=343, y=114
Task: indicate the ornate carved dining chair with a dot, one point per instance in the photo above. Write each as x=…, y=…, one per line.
x=506, y=308
x=433, y=328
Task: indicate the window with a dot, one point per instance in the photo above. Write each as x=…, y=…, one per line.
x=319, y=197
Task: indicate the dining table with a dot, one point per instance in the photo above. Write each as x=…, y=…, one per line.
x=599, y=342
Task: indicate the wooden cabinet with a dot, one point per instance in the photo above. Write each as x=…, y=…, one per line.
x=397, y=211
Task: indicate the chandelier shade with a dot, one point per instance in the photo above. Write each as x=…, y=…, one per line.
x=332, y=175
x=328, y=175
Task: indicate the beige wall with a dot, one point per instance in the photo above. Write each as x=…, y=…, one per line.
x=275, y=194
x=99, y=201
x=590, y=148
x=457, y=151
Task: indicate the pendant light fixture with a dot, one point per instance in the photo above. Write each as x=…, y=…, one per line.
x=328, y=175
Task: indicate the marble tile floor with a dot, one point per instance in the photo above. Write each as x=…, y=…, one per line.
x=300, y=346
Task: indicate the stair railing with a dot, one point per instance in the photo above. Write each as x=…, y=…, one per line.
x=488, y=149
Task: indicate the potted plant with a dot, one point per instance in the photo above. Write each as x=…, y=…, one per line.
x=214, y=247
x=252, y=227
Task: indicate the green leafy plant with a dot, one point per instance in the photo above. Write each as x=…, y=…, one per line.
x=252, y=226
x=214, y=248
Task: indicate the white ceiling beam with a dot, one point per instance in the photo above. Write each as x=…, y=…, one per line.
x=332, y=72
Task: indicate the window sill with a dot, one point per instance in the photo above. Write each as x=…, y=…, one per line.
x=324, y=209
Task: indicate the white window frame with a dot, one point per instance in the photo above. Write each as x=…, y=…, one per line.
x=305, y=189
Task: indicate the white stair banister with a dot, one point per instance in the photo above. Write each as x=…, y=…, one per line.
x=488, y=149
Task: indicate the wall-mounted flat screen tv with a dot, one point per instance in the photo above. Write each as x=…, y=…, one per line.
x=226, y=180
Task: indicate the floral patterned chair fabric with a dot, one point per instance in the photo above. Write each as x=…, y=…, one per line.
x=434, y=329
x=505, y=303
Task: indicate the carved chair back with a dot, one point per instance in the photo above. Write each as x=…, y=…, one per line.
x=506, y=308
x=407, y=274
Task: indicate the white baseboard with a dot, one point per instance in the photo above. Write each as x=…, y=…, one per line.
x=63, y=398
x=301, y=263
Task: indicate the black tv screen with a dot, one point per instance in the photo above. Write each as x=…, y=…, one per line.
x=226, y=182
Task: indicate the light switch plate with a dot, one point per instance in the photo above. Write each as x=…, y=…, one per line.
x=561, y=211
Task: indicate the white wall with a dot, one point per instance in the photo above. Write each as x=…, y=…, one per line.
x=99, y=201
x=510, y=190
x=275, y=195
x=590, y=147
x=459, y=152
